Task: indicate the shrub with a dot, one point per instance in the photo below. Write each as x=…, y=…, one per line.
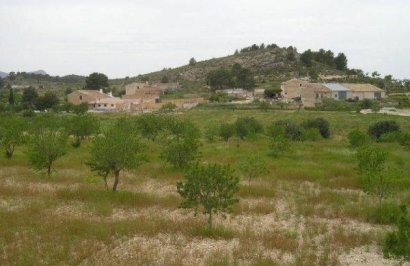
x=394, y=136
x=279, y=146
x=397, y=243
x=168, y=107
x=357, y=138
x=211, y=131
x=247, y=126
x=405, y=140
x=377, y=129
x=290, y=129
x=311, y=134
x=321, y=124
x=226, y=131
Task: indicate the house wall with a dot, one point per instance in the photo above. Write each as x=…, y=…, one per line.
x=292, y=88
x=364, y=95
x=77, y=98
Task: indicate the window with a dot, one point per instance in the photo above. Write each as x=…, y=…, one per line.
x=336, y=95
x=81, y=97
x=317, y=95
x=300, y=85
x=105, y=105
x=99, y=105
x=112, y=105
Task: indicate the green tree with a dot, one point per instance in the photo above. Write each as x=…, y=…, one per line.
x=247, y=126
x=209, y=187
x=46, y=146
x=357, y=138
x=29, y=97
x=82, y=127
x=379, y=128
x=313, y=75
x=375, y=179
x=11, y=95
x=118, y=149
x=211, y=131
x=47, y=101
x=192, y=61
x=96, y=81
x=180, y=151
x=397, y=243
x=79, y=109
x=279, y=145
x=253, y=167
x=341, y=61
x=150, y=125
x=307, y=57
x=219, y=79
x=226, y=131
x=164, y=79
x=11, y=133
x=272, y=92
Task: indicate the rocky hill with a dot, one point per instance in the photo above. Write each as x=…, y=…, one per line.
x=273, y=62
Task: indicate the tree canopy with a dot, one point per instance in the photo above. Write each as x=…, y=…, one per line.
x=96, y=81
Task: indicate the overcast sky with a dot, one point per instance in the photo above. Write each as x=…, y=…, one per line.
x=125, y=38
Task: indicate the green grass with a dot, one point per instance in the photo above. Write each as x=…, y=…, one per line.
x=315, y=180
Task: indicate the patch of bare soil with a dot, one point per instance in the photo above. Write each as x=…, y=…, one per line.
x=366, y=256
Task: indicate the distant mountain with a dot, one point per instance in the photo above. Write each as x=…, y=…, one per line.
x=3, y=74
x=39, y=72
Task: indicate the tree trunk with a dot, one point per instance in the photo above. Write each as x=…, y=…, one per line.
x=210, y=220
x=117, y=179
x=106, y=182
x=10, y=151
x=49, y=169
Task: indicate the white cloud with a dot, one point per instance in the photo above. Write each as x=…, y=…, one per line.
x=130, y=37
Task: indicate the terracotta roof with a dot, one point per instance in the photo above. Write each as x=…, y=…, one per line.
x=317, y=87
x=94, y=93
x=361, y=87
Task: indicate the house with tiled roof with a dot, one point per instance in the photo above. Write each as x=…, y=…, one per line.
x=312, y=94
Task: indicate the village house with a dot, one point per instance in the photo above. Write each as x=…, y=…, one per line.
x=236, y=93
x=89, y=97
x=312, y=94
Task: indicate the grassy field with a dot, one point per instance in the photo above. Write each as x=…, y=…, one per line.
x=308, y=210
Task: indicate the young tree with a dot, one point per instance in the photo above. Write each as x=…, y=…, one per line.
x=226, y=131
x=11, y=133
x=46, y=146
x=372, y=165
x=211, y=131
x=397, y=243
x=209, y=187
x=180, y=152
x=81, y=127
x=247, y=126
x=253, y=167
x=96, y=81
x=118, y=149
